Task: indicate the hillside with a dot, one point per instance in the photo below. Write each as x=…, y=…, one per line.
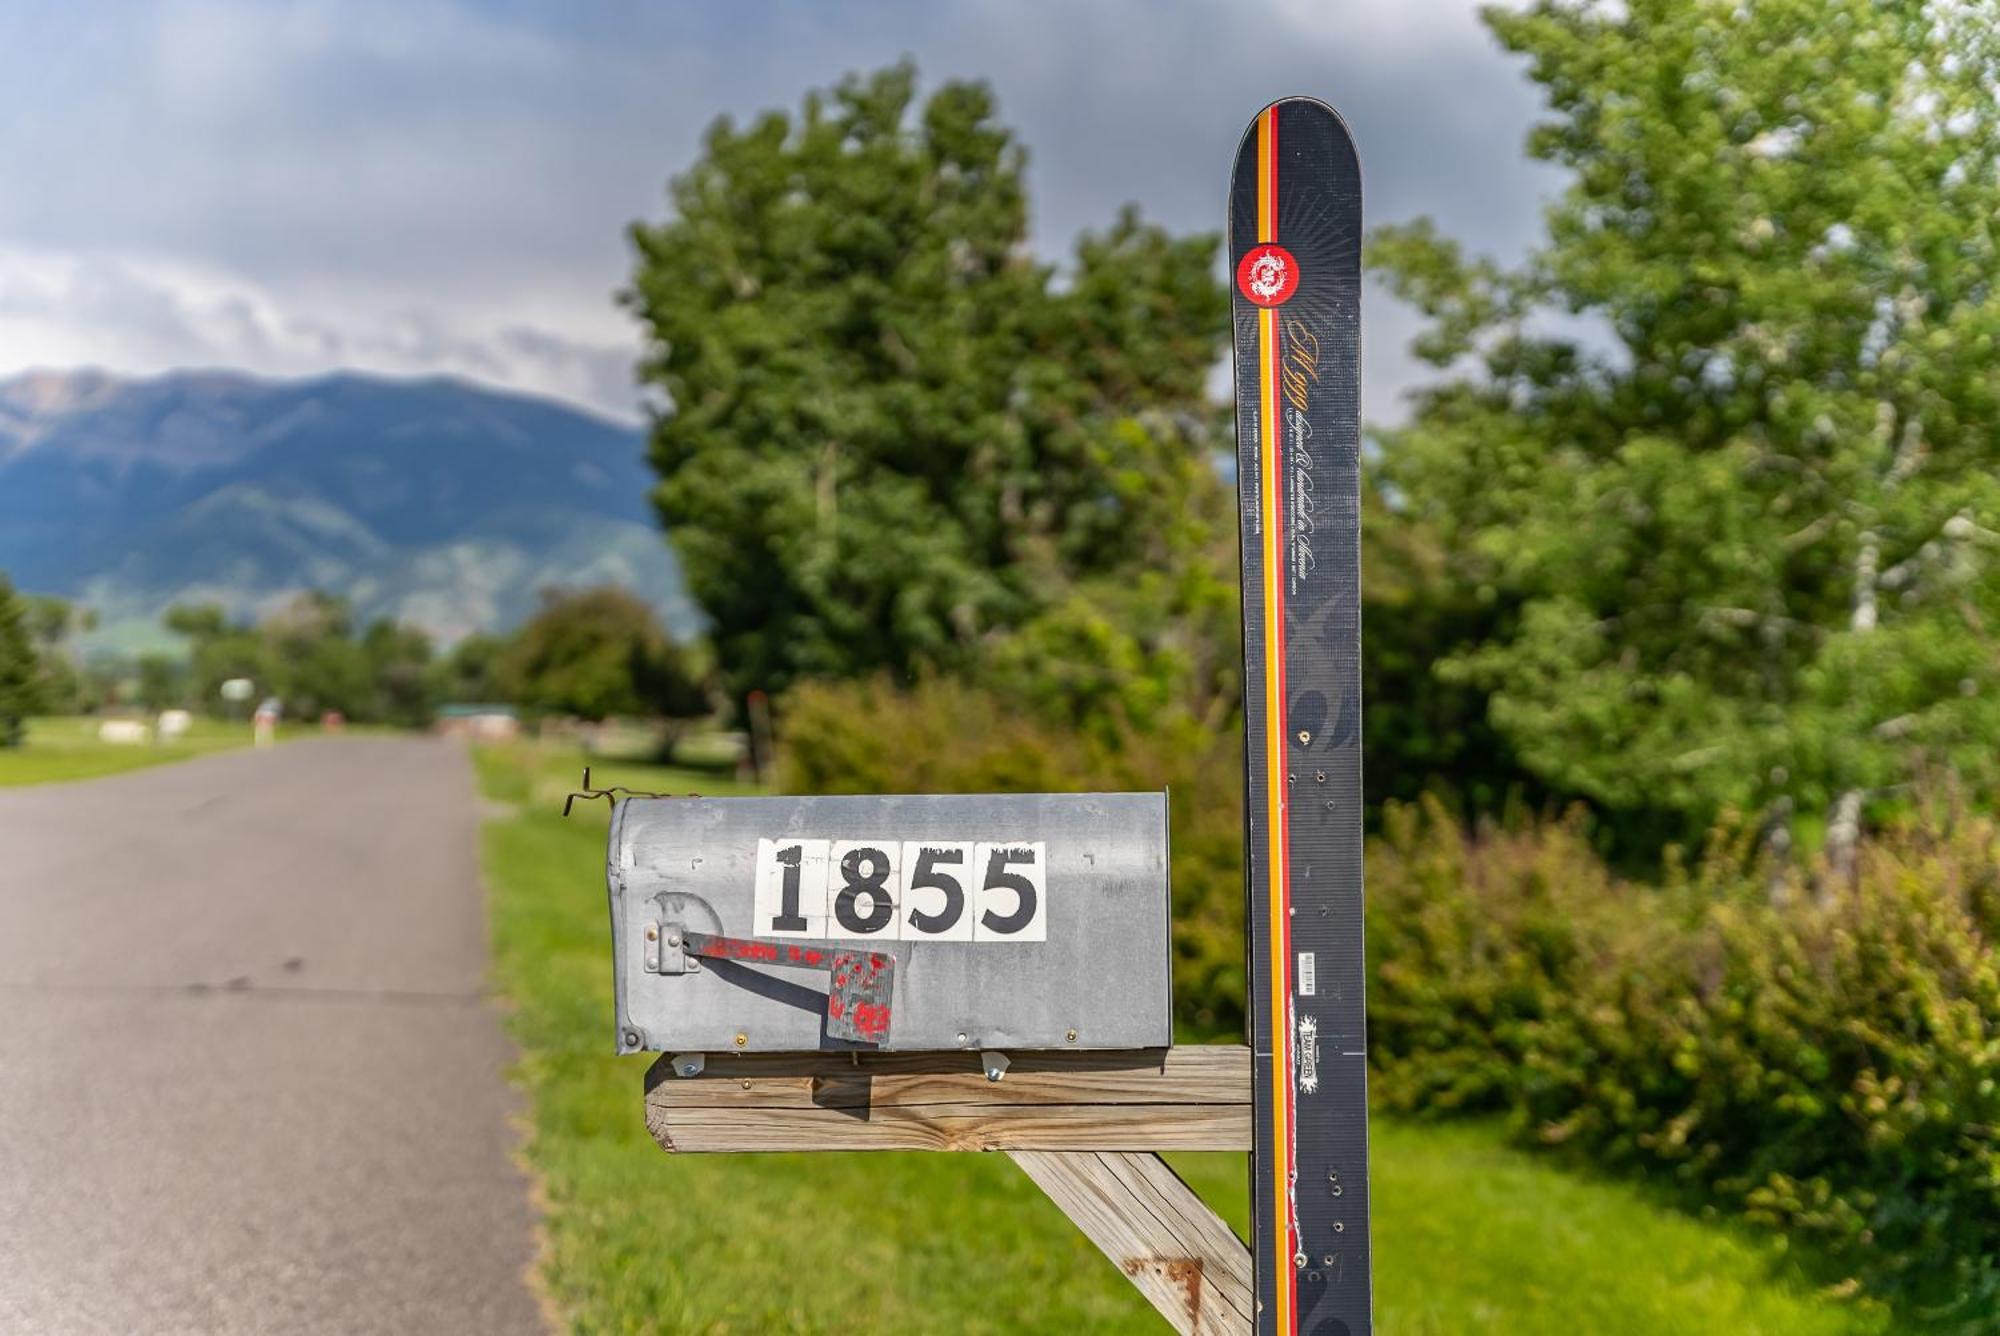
x=435, y=501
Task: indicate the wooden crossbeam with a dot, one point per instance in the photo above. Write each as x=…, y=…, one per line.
x=1083, y=1126
x=1195, y=1098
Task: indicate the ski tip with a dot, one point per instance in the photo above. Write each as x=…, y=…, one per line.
x=1306, y=109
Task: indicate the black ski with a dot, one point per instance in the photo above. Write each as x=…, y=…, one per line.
x=1295, y=254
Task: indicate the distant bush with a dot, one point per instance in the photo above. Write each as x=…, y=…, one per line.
x=945, y=737
x=1831, y=1067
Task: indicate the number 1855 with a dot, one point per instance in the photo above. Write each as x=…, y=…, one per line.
x=915, y=890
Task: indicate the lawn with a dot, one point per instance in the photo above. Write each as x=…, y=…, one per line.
x=66, y=748
x=1470, y=1235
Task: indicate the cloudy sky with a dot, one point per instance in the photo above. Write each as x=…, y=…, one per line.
x=428, y=185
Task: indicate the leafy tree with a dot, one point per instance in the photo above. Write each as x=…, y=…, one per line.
x=321, y=668
x=20, y=669
x=594, y=654
x=221, y=650
x=398, y=660
x=1423, y=734
x=470, y=672
x=1739, y=547
x=51, y=622
x=890, y=431
x=308, y=655
x=196, y=621
x=162, y=682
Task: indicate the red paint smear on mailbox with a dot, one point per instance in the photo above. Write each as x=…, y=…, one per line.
x=872, y=1020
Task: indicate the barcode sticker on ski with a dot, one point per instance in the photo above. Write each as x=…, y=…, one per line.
x=1308, y=975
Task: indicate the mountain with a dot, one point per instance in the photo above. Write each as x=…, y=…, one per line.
x=433, y=501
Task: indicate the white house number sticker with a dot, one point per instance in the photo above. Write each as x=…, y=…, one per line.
x=910, y=891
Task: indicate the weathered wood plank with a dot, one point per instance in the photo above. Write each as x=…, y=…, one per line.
x=1153, y=1183
x=954, y=1127
x=1174, y=1099
x=1187, y=1263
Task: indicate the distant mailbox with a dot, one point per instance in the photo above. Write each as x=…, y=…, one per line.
x=1019, y=921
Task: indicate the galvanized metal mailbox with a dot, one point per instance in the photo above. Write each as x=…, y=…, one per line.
x=985, y=922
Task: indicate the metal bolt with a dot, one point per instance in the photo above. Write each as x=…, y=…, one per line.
x=1071, y=1036
x=673, y=939
x=1335, y=1189
x=1320, y=776
x=1326, y=1260
x=746, y=1085
x=1305, y=736
x=1339, y=1228
x=652, y=933
x=741, y=1039
x=961, y=1036
x=1299, y=1261
x=631, y=1039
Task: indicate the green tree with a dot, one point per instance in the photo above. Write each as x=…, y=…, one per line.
x=398, y=662
x=469, y=673
x=308, y=655
x=161, y=682
x=1739, y=546
x=20, y=668
x=596, y=654
x=52, y=621
x=220, y=650
x=890, y=432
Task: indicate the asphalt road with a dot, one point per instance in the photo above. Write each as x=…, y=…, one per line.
x=249, y=1081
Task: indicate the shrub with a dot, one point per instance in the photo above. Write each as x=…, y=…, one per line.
x=1829, y=1068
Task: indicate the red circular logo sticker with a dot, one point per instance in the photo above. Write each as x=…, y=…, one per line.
x=1268, y=274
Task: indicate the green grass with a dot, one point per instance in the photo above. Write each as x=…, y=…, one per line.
x=1470, y=1236
x=66, y=748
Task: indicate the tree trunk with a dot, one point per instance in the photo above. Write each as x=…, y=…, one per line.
x=1843, y=841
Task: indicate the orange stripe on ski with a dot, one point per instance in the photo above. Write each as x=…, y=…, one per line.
x=1279, y=1170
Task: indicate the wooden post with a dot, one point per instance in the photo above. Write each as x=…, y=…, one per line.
x=1084, y=1126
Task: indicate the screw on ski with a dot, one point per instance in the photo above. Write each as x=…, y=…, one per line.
x=1295, y=254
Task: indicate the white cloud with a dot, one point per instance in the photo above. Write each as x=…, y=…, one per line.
x=143, y=314
x=443, y=185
